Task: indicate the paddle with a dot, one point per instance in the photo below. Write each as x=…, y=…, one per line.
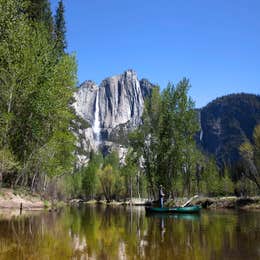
x=187, y=202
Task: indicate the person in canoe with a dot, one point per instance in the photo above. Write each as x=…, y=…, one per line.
x=161, y=195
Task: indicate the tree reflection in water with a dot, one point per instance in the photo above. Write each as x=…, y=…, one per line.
x=126, y=233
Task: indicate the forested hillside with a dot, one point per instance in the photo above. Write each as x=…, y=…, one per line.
x=227, y=122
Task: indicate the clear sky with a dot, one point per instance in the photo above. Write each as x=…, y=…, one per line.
x=214, y=43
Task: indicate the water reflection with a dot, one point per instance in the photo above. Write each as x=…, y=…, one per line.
x=126, y=233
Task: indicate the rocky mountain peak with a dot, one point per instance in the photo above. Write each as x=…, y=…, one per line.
x=88, y=84
x=116, y=105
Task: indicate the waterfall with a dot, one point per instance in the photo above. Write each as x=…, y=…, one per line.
x=96, y=123
x=201, y=130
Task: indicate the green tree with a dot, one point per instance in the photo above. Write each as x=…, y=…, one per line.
x=118, y=189
x=108, y=180
x=177, y=128
x=145, y=140
x=89, y=175
x=112, y=159
x=250, y=153
x=35, y=94
x=60, y=29
x=210, y=177
x=165, y=141
x=8, y=164
x=130, y=172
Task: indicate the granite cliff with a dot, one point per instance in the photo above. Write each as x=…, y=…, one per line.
x=111, y=110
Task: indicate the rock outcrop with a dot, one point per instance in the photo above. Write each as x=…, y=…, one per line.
x=112, y=110
x=226, y=123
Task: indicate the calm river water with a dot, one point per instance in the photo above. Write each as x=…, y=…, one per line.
x=97, y=232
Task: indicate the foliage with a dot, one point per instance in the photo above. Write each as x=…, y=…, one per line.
x=144, y=140
x=107, y=180
x=40, y=11
x=110, y=177
x=250, y=152
x=8, y=164
x=60, y=29
x=130, y=173
x=36, y=89
x=166, y=139
x=228, y=122
x=89, y=175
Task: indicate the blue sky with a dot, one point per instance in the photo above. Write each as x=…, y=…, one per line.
x=216, y=44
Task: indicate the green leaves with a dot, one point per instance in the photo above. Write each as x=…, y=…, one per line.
x=39, y=11
x=251, y=155
x=166, y=139
x=36, y=90
x=8, y=162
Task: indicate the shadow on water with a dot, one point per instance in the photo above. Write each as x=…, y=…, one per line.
x=100, y=232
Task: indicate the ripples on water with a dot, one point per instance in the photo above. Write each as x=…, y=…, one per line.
x=96, y=232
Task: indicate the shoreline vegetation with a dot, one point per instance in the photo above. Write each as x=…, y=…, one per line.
x=228, y=202
x=11, y=200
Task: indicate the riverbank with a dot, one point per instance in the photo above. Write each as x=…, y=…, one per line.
x=230, y=202
x=245, y=203
x=13, y=199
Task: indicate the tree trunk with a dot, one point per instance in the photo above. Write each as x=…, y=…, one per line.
x=131, y=188
x=33, y=180
x=138, y=185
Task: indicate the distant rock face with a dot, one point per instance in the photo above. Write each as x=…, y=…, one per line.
x=112, y=109
x=226, y=123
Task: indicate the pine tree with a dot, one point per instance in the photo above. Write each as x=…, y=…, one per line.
x=60, y=29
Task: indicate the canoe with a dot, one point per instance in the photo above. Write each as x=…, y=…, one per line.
x=183, y=210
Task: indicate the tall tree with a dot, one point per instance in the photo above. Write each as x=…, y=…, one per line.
x=165, y=140
x=177, y=128
x=145, y=140
x=13, y=35
x=60, y=29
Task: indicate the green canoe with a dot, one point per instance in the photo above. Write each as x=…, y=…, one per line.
x=183, y=210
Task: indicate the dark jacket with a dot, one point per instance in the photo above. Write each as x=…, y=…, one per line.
x=161, y=194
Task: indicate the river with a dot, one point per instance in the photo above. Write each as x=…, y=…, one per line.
x=98, y=232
